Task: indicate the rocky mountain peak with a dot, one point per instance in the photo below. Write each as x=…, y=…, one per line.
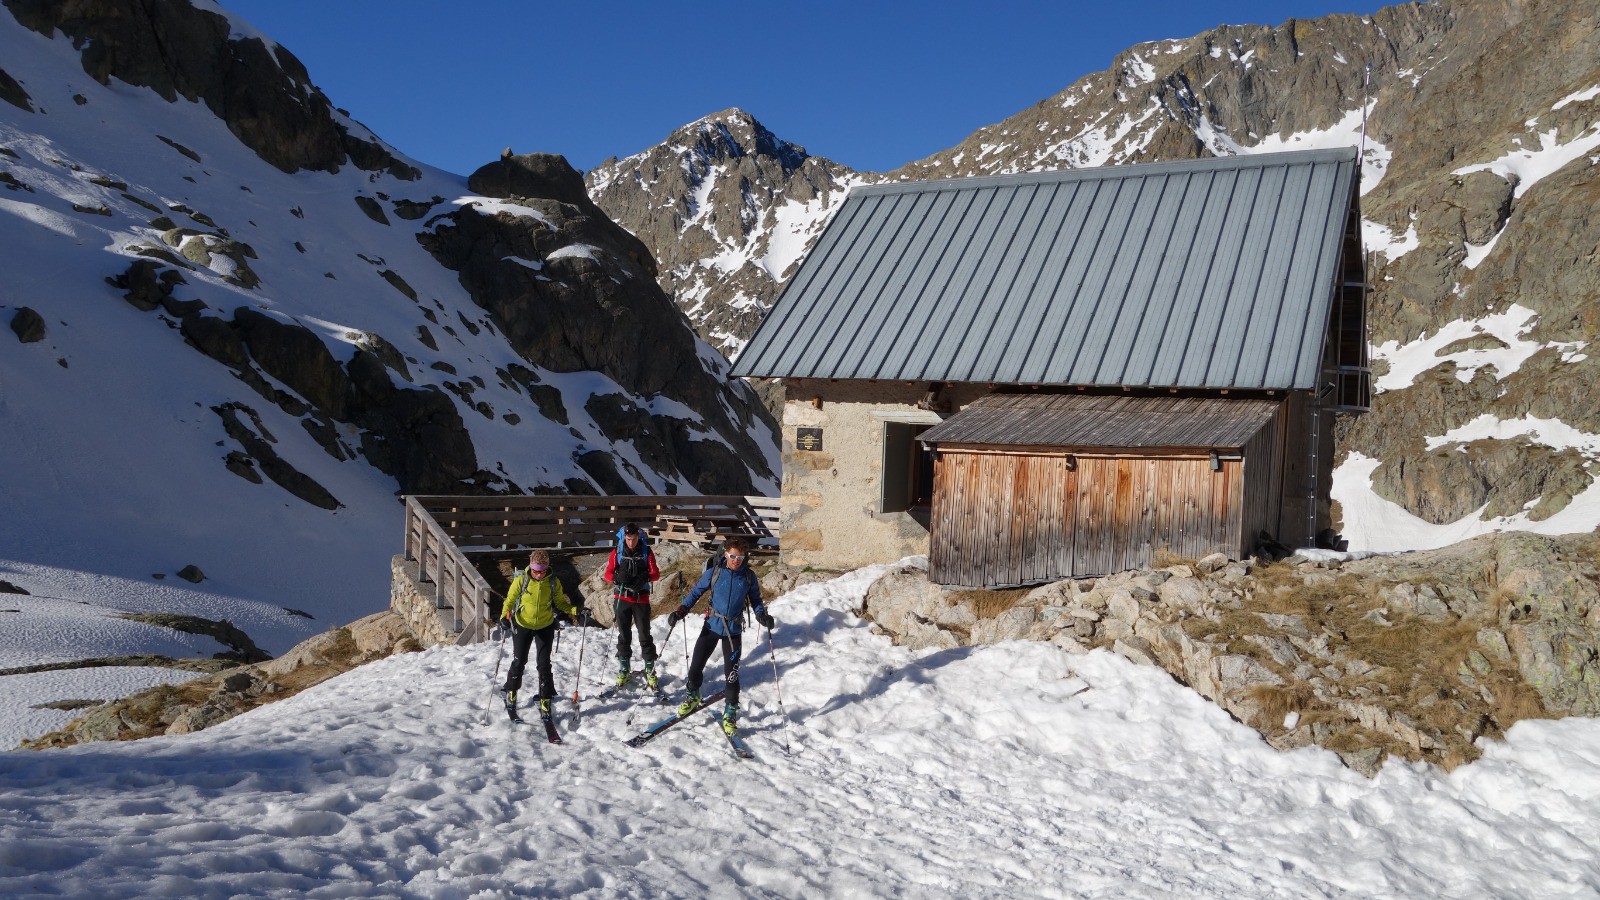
x=726, y=206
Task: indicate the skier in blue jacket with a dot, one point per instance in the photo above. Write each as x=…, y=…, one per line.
x=731, y=589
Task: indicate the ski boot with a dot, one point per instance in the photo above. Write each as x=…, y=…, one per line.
x=730, y=719
x=544, y=709
x=624, y=670
x=650, y=675
x=511, y=705
x=691, y=703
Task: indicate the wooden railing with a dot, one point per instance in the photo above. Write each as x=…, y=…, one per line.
x=443, y=532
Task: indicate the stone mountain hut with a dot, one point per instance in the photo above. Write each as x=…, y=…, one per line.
x=1040, y=376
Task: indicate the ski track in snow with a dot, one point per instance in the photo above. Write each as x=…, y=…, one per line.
x=1013, y=770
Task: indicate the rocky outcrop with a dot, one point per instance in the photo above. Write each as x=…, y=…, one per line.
x=591, y=303
x=260, y=90
x=203, y=702
x=13, y=93
x=1417, y=655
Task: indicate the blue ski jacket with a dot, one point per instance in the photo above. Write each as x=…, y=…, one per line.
x=730, y=591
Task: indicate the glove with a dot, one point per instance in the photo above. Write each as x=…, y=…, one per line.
x=676, y=616
x=562, y=619
x=583, y=617
x=765, y=619
x=504, y=625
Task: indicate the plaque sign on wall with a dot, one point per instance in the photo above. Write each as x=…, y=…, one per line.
x=808, y=438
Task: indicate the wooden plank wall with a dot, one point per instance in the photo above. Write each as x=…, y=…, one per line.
x=1295, y=482
x=1263, y=484
x=1002, y=519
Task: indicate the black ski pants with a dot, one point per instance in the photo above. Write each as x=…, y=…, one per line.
x=521, y=640
x=631, y=616
x=732, y=649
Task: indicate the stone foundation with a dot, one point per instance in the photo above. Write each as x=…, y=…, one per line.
x=417, y=602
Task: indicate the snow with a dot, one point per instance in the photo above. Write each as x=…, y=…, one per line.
x=1552, y=433
x=576, y=251
x=1379, y=238
x=1477, y=253
x=1407, y=361
x=1346, y=132
x=1533, y=165
x=1002, y=771
x=1577, y=97
x=1373, y=523
x=796, y=224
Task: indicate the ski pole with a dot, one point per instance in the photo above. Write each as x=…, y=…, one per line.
x=777, y=685
x=671, y=627
x=494, y=680
x=577, y=679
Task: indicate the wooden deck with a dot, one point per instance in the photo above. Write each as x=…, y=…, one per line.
x=444, y=533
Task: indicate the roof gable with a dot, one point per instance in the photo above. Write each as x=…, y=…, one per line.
x=1214, y=273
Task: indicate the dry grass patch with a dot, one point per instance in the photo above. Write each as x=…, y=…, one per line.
x=1166, y=559
x=1422, y=668
x=988, y=604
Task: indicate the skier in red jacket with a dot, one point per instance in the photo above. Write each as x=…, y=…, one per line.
x=630, y=571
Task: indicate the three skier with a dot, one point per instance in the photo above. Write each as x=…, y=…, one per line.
x=731, y=589
x=536, y=599
x=630, y=571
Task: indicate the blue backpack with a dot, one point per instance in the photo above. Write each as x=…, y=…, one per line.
x=644, y=537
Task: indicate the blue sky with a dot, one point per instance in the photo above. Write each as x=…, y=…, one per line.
x=870, y=85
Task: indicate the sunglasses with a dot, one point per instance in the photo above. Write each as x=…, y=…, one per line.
x=733, y=556
x=538, y=569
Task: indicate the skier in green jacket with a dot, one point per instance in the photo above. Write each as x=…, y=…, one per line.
x=530, y=614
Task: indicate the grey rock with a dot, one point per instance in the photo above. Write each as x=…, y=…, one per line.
x=1010, y=625
x=1135, y=649
x=1367, y=761
x=1123, y=606
x=1185, y=593
x=27, y=325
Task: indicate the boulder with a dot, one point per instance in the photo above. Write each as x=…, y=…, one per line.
x=27, y=325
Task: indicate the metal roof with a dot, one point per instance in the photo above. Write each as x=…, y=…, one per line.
x=1077, y=420
x=1204, y=273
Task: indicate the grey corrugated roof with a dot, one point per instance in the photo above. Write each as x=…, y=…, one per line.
x=1076, y=420
x=1204, y=273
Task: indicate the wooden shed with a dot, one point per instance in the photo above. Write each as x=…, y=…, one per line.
x=1054, y=374
x=1031, y=486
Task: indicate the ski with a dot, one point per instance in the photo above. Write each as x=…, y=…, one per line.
x=656, y=693
x=550, y=728
x=653, y=731
x=735, y=743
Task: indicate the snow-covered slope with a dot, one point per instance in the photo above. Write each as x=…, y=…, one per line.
x=142, y=435
x=1011, y=770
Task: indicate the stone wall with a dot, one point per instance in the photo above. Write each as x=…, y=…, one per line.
x=829, y=515
x=417, y=602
